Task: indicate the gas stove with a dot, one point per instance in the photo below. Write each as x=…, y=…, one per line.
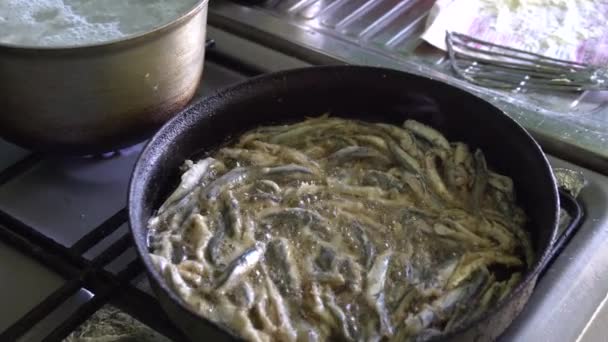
x=69, y=270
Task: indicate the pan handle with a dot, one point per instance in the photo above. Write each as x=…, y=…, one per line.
x=572, y=207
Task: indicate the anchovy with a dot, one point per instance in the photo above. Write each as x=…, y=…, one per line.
x=371, y=334
x=285, y=327
x=286, y=169
x=524, y=239
x=472, y=261
x=268, y=186
x=374, y=292
x=404, y=137
x=503, y=203
x=363, y=191
x=239, y=267
x=418, y=189
x=359, y=215
x=398, y=288
x=383, y=180
x=486, y=299
x=443, y=305
x=448, y=301
x=198, y=235
x=249, y=137
x=256, y=158
x=405, y=160
x=417, y=221
x=394, y=131
x=336, y=142
x=260, y=133
x=349, y=331
x=428, y=334
x=287, y=153
x=282, y=268
x=446, y=304
x=332, y=279
x=315, y=304
x=261, y=313
x=369, y=250
x=373, y=140
x=307, y=333
x=295, y=133
x=176, y=215
x=435, y=180
x=357, y=152
x=415, y=323
x=215, y=243
x=481, y=180
x=427, y=133
x=460, y=233
x=306, y=217
x=351, y=272
x=241, y=321
x=461, y=153
x=190, y=179
x=176, y=281
x=228, y=180
x=243, y=295
x=403, y=308
x=510, y=285
x=444, y=272
x=232, y=215
x=326, y=259
x=501, y=183
x=265, y=189
x=515, y=226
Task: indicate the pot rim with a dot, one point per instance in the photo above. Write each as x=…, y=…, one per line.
x=157, y=30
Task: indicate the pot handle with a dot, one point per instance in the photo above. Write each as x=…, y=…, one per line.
x=571, y=206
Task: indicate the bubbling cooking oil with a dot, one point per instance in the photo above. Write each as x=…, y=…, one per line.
x=64, y=23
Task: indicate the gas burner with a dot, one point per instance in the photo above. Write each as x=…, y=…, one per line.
x=105, y=155
x=126, y=151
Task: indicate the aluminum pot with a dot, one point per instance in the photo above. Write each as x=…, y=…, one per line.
x=101, y=97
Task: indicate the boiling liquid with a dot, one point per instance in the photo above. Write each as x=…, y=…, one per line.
x=60, y=23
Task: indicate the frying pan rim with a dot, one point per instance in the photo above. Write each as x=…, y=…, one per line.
x=177, y=123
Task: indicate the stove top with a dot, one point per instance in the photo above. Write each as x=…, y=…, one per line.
x=69, y=270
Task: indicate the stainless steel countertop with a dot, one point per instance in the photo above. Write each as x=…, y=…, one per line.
x=381, y=33
x=574, y=287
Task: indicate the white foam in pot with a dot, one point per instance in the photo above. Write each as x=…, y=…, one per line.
x=58, y=23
